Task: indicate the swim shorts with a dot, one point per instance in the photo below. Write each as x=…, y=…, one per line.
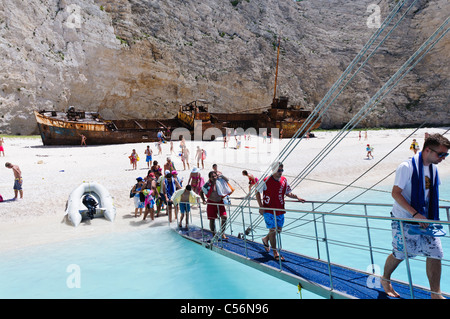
x=422, y=245
x=212, y=209
x=149, y=203
x=18, y=184
x=270, y=220
x=148, y=158
x=185, y=208
x=162, y=199
x=137, y=202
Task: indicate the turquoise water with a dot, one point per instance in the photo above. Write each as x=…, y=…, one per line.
x=154, y=263
x=158, y=263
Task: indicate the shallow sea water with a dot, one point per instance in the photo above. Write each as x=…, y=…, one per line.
x=154, y=263
x=157, y=263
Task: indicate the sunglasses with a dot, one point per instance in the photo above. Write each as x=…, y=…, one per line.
x=440, y=155
x=280, y=170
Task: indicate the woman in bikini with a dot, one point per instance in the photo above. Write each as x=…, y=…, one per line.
x=196, y=180
x=133, y=159
x=252, y=180
x=2, y=150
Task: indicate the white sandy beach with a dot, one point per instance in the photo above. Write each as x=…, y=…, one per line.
x=51, y=173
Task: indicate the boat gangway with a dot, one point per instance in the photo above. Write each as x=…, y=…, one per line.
x=337, y=251
x=333, y=249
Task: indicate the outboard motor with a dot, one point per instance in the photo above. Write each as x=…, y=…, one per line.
x=91, y=205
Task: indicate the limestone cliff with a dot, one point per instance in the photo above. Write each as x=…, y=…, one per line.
x=143, y=58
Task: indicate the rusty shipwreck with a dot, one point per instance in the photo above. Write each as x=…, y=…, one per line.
x=67, y=128
x=278, y=119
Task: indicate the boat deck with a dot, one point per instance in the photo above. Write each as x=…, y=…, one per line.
x=312, y=274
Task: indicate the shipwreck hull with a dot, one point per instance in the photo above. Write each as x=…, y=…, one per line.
x=59, y=128
x=273, y=119
x=56, y=131
x=68, y=136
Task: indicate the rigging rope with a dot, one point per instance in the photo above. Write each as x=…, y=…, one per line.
x=389, y=85
x=373, y=166
x=365, y=110
x=317, y=113
x=355, y=180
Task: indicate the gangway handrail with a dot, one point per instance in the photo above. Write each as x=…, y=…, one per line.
x=444, y=207
x=337, y=202
x=347, y=214
x=216, y=239
x=327, y=202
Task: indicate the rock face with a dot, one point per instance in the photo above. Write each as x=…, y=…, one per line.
x=143, y=58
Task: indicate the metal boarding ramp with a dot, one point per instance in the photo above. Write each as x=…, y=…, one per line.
x=315, y=229
x=343, y=244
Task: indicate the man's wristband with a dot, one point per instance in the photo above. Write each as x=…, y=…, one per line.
x=415, y=214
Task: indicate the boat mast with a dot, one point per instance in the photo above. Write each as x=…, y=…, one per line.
x=276, y=71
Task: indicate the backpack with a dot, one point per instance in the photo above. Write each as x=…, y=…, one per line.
x=131, y=192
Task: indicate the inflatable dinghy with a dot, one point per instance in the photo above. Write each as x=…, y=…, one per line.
x=90, y=200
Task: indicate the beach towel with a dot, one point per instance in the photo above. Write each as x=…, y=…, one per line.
x=418, y=200
x=223, y=187
x=149, y=200
x=131, y=192
x=170, y=187
x=176, y=197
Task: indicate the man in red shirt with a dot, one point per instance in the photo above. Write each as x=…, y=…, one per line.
x=274, y=188
x=215, y=204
